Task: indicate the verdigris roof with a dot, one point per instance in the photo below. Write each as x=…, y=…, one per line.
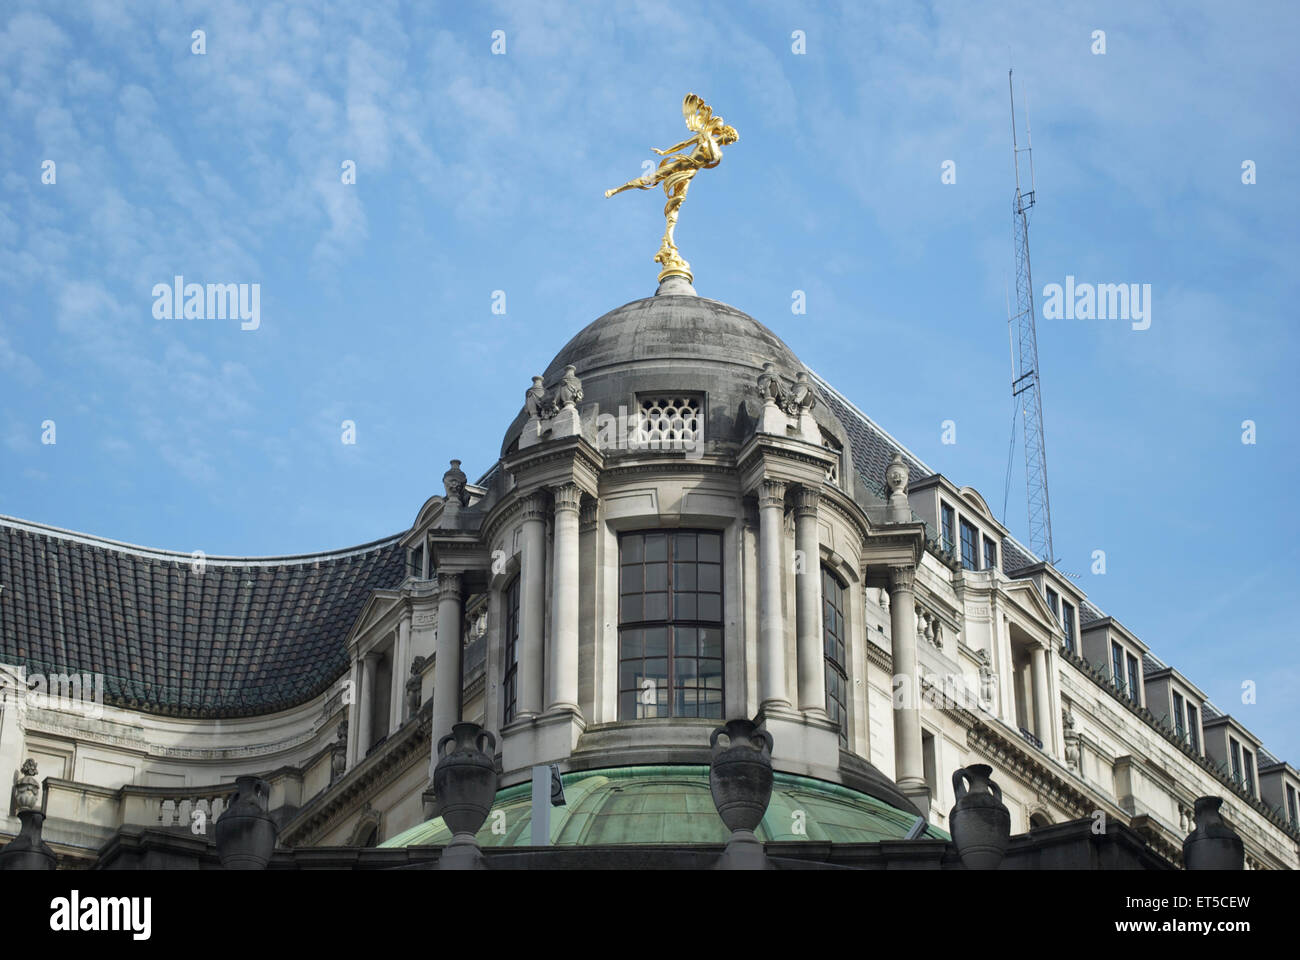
x=673, y=805
x=169, y=634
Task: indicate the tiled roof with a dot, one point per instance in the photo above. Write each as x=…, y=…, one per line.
x=1015, y=557
x=1267, y=759
x=1209, y=711
x=244, y=636
x=871, y=447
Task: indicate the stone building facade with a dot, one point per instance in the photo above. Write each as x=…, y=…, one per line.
x=685, y=525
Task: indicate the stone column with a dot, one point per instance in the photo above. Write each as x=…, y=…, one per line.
x=909, y=766
x=563, y=673
x=365, y=703
x=1042, y=697
x=532, y=605
x=771, y=631
x=447, y=682
x=808, y=602
x=401, y=657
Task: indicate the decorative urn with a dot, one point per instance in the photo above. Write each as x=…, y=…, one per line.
x=980, y=821
x=1213, y=845
x=465, y=779
x=245, y=832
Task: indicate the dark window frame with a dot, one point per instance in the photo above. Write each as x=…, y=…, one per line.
x=510, y=676
x=1179, y=720
x=971, y=561
x=680, y=630
x=1134, y=679
x=835, y=644
x=1117, y=665
x=990, y=553
x=947, y=518
x=1194, y=727
x=1067, y=624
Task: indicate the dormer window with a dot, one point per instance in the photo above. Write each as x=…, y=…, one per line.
x=969, y=546
x=946, y=521
x=1067, y=624
x=833, y=472
x=415, y=563
x=990, y=554
x=670, y=421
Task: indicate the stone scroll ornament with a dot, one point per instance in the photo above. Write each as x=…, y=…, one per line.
x=681, y=162
x=465, y=783
x=980, y=821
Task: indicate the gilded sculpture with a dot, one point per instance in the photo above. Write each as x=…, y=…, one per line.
x=681, y=162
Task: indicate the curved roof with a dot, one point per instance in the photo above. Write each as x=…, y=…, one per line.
x=244, y=636
x=673, y=805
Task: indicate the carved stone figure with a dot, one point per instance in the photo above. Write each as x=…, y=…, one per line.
x=339, y=753
x=770, y=386
x=535, y=401
x=27, y=789
x=899, y=510
x=569, y=392
x=1072, y=752
x=802, y=395
x=413, y=685
x=988, y=680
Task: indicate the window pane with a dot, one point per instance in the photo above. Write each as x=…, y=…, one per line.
x=684, y=546
x=684, y=644
x=710, y=607
x=656, y=576
x=627, y=706
x=709, y=576
x=684, y=606
x=633, y=580
x=656, y=606
x=629, y=675
x=631, y=609
x=683, y=576
x=710, y=547
x=632, y=547
x=656, y=642
x=710, y=642
x=631, y=644
x=656, y=547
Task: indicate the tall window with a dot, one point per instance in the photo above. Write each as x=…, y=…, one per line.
x=1291, y=806
x=1178, y=715
x=1234, y=750
x=946, y=521
x=833, y=631
x=670, y=625
x=1067, y=623
x=1117, y=665
x=1248, y=766
x=1054, y=601
x=990, y=554
x=1194, y=728
x=970, y=558
x=1134, y=680
x=510, y=682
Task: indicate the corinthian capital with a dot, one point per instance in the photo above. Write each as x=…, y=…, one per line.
x=567, y=497
x=449, y=585
x=901, y=578
x=533, y=507
x=805, y=501
x=771, y=493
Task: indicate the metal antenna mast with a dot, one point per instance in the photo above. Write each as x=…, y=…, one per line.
x=1026, y=388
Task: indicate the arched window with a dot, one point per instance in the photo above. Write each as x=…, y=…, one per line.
x=510, y=681
x=834, y=628
x=670, y=625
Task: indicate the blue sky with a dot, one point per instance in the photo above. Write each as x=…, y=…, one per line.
x=478, y=172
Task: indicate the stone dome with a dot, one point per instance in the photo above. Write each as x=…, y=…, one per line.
x=674, y=343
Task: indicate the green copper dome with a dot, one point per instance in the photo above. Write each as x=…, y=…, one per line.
x=672, y=805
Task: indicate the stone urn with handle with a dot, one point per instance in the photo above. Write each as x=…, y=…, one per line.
x=740, y=779
x=465, y=783
x=979, y=821
x=245, y=832
x=1213, y=845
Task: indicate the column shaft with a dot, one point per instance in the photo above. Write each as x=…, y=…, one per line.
x=532, y=605
x=808, y=598
x=771, y=631
x=1042, y=701
x=447, y=685
x=909, y=765
x=563, y=673
x=365, y=704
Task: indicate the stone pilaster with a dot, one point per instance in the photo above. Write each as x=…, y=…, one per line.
x=808, y=602
x=447, y=681
x=771, y=653
x=563, y=673
x=532, y=604
x=909, y=765
x=1042, y=697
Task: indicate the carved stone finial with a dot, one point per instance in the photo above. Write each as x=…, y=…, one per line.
x=802, y=397
x=535, y=401
x=453, y=481
x=770, y=386
x=899, y=510
x=569, y=392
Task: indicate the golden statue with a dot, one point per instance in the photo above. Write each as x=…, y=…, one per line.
x=676, y=173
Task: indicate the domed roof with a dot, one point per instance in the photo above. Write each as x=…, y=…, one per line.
x=671, y=345
x=667, y=327
x=673, y=805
